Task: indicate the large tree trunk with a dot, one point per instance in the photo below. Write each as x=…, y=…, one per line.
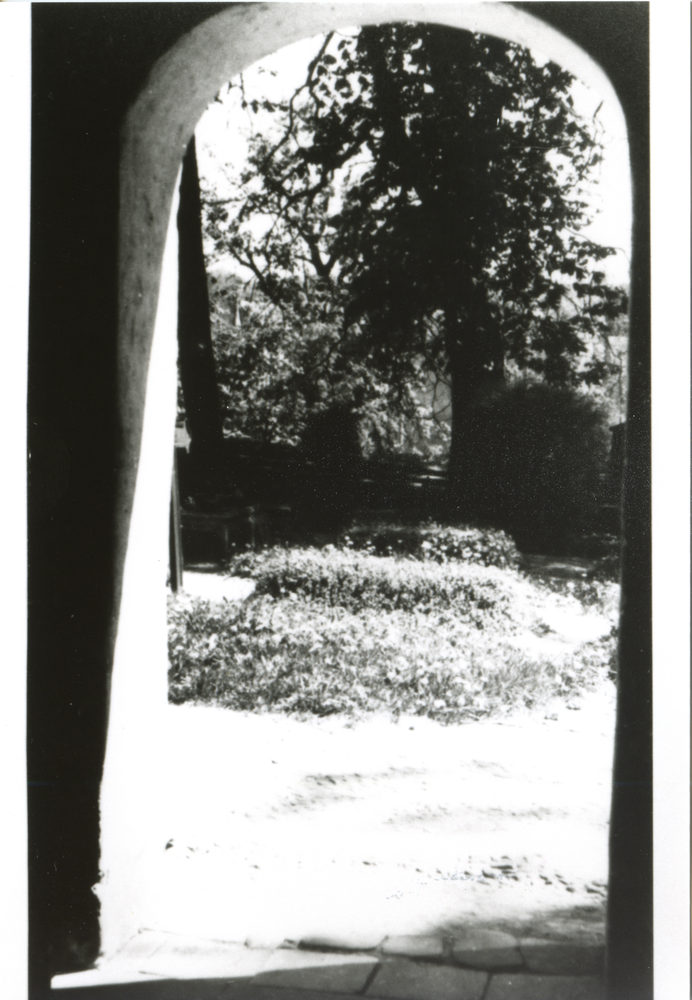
x=195, y=351
x=475, y=357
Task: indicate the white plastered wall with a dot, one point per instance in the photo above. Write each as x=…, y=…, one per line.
x=130, y=794
x=156, y=133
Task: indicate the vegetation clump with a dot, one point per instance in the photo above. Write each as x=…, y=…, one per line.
x=344, y=631
x=535, y=456
x=439, y=543
x=410, y=217
x=357, y=581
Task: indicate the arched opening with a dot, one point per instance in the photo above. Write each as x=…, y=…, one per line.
x=273, y=863
x=156, y=133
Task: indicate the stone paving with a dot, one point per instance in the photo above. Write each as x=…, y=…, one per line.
x=476, y=965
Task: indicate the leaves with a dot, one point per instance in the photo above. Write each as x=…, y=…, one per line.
x=277, y=367
x=357, y=581
x=416, y=208
x=310, y=655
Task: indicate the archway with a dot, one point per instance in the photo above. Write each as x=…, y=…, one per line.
x=155, y=135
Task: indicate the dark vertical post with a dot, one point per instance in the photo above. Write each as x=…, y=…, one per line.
x=629, y=966
x=196, y=363
x=176, y=534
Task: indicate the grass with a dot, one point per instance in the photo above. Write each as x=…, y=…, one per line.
x=341, y=631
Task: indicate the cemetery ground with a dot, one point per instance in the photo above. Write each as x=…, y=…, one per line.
x=364, y=744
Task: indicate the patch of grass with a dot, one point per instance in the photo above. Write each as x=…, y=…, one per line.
x=345, y=632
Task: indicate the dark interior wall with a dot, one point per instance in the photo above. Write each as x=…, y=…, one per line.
x=89, y=63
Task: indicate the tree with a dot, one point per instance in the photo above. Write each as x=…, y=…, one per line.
x=433, y=182
x=281, y=371
x=197, y=381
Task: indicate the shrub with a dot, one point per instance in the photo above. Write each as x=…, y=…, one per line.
x=358, y=580
x=534, y=457
x=481, y=546
x=289, y=656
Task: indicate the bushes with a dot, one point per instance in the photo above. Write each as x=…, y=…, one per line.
x=268, y=655
x=534, y=457
x=423, y=633
x=482, y=546
x=358, y=580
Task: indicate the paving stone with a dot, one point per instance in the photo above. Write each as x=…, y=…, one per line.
x=102, y=976
x=562, y=958
x=486, y=949
x=409, y=981
x=522, y=986
x=410, y=946
x=169, y=989
x=246, y=991
x=193, y=958
x=153, y=955
x=346, y=941
x=315, y=970
x=571, y=929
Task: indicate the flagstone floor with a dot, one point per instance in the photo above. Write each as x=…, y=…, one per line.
x=475, y=965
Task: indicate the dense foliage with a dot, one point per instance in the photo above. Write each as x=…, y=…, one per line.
x=535, y=456
x=336, y=630
x=438, y=543
x=357, y=580
x=289, y=656
x=416, y=208
x=280, y=369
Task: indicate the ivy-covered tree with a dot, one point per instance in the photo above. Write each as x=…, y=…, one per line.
x=425, y=190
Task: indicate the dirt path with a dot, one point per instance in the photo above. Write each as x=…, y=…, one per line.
x=282, y=829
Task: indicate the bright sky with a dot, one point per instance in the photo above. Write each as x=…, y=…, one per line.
x=220, y=140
